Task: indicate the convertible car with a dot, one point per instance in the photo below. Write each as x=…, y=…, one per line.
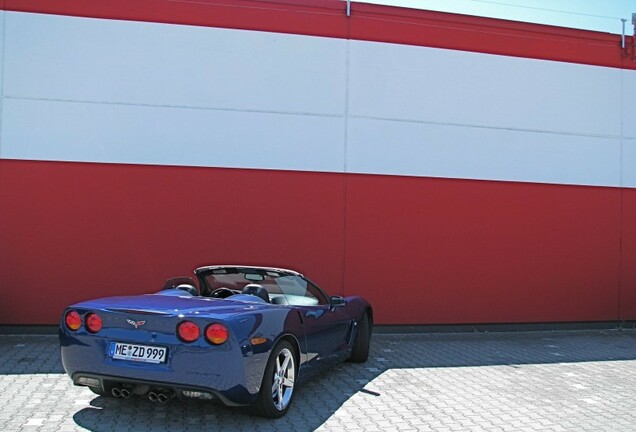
x=245, y=337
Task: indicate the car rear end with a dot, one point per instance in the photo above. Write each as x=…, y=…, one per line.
x=120, y=348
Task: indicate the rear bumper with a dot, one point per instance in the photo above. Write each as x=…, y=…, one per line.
x=233, y=378
x=140, y=387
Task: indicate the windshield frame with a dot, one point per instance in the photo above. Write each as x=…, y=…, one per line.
x=238, y=281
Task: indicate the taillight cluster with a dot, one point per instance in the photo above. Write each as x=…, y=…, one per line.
x=216, y=333
x=73, y=320
x=92, y=321
x=187, y=331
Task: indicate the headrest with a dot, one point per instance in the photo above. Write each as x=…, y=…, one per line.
x=257, y=290
x=188, y=288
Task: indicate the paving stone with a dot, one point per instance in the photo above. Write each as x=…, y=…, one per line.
x=419, y=382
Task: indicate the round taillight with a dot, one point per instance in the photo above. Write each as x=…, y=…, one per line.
x=216, y=334
x=93, y=322
x=188, y=331
x=73, y=320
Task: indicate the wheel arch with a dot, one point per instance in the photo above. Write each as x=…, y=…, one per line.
x=294, y=343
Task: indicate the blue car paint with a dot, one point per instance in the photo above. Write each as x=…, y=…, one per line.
x=234, y=370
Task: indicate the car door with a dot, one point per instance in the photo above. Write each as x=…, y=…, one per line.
x=326, y=331
x=326, y=328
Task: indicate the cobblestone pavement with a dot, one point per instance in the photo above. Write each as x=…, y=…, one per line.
x=542, y=381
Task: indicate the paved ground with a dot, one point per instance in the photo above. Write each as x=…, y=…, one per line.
x=552, y=381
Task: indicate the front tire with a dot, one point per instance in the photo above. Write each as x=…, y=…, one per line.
x=277, y=387
x=360, y=351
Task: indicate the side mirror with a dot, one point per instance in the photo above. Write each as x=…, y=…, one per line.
x=337, y=301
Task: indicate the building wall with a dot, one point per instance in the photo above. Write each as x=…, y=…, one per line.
x=450, y=169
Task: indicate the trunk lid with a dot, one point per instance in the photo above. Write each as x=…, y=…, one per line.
x=131, y=317
x=156, y=304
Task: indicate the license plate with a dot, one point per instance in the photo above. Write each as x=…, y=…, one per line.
x=140, y=353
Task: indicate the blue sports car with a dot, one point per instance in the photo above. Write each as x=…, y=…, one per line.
x=245, y=337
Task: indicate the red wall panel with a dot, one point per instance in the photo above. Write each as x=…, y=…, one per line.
x=458, y=251
x=422, y=250
x=73, y=231
x=310, y=17
x=367, y=22
x=628, y=257
x=488, y=35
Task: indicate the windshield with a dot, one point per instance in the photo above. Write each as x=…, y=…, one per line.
x=282, y=288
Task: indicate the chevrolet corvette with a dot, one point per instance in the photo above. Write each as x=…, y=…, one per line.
x=241, y=335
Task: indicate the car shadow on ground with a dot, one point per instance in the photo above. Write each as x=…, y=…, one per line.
x=316, y=401
x=319, y=399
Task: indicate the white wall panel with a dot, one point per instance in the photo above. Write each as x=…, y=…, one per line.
x=80, y=89
x=629, y=103
x=629, y=128
x=70, y=131
x=418, y=149
x=446, y=86
x=629, y=163
x=84, y=59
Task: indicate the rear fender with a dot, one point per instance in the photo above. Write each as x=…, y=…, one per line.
x=258, y=333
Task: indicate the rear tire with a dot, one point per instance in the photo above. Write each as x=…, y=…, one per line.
x=277, y=387
x=360, y=351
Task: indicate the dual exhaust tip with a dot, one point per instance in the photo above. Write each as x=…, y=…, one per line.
x=120, y=392
x=161, y=397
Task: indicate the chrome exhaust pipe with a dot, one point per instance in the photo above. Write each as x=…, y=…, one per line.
x=164, y=397
x=153, y=397
x=116, y=392
x=125, y=393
